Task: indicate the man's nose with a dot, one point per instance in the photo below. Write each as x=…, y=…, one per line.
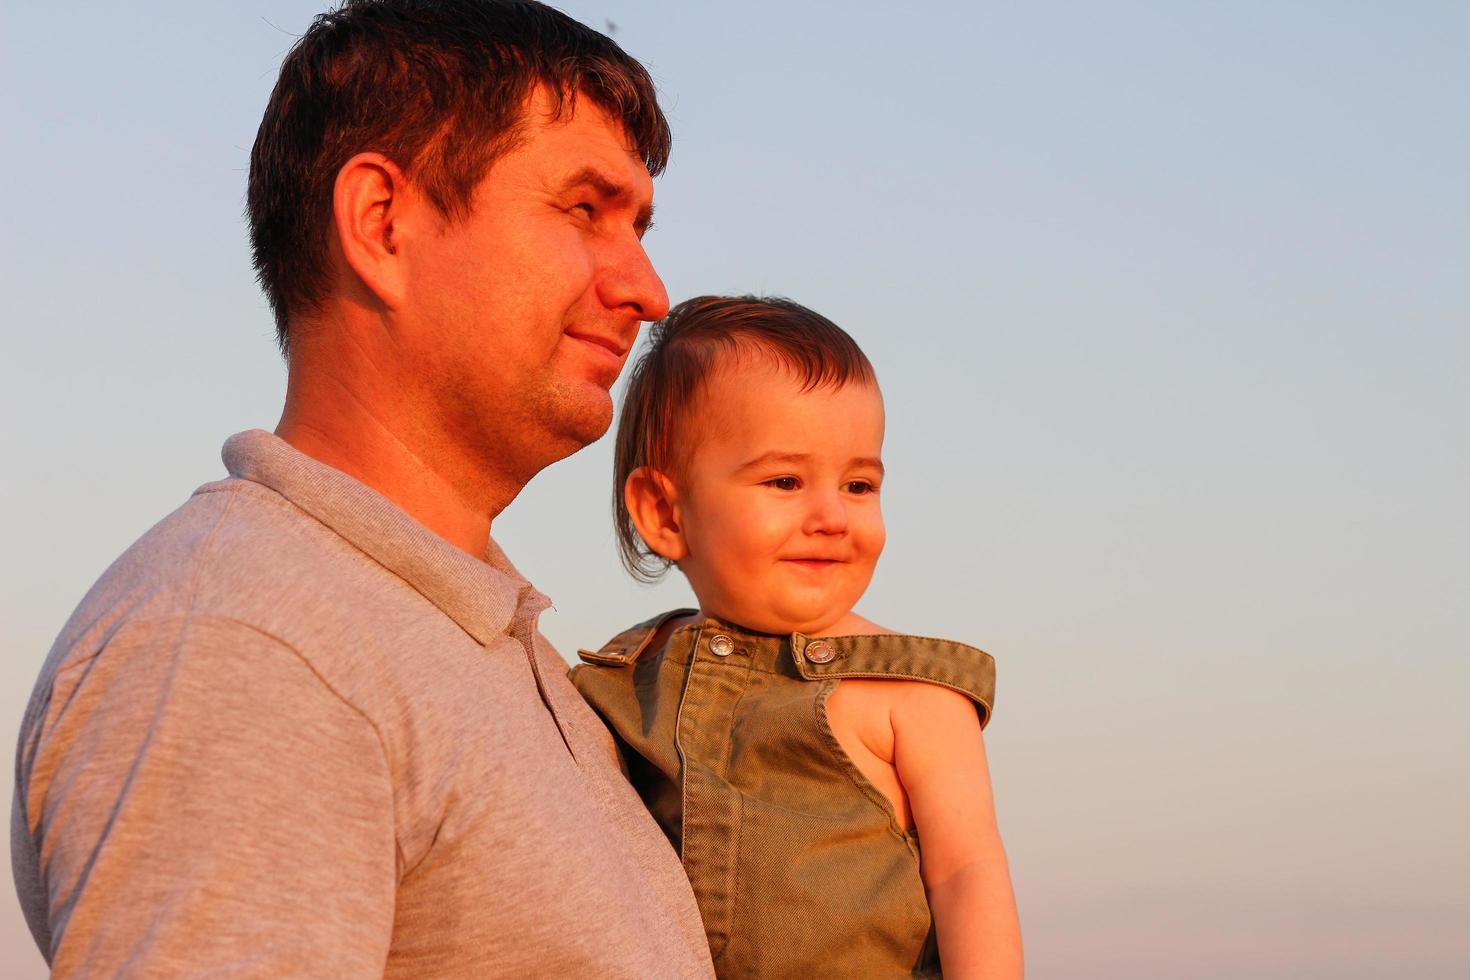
x=630, y=283
x=826, y=514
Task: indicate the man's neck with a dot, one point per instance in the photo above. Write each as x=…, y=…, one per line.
x=335, y=425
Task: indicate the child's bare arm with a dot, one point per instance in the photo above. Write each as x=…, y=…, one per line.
x=940, y=757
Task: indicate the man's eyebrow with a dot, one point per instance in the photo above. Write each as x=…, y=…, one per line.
x=610, y=188
x=599, y=181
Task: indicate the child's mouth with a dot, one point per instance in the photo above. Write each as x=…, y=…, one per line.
x=814, y=562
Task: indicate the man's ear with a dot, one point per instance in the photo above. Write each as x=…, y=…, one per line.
x=366, y=200
x=653, y=504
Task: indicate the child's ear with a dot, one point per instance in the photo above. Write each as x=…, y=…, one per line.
x=653, y=504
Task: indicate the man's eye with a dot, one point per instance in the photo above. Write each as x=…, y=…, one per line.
x=585, y=208
x=784, y=483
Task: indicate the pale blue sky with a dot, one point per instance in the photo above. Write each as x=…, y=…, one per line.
x=1169, y=302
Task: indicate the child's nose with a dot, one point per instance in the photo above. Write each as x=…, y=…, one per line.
x=828, y=514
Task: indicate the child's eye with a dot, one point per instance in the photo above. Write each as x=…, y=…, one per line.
x=784, y=483
x=861, y=486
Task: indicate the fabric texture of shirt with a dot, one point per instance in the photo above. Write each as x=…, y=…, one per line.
x=292, y=732
x=799, y=863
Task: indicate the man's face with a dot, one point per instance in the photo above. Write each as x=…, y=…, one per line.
x=778, y=501
x=523, y=313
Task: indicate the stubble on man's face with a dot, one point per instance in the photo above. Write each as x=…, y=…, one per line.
x=532, y=303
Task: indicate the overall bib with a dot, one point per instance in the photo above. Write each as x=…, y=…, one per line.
x=797, y=861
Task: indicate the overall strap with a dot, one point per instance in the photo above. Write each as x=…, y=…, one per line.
x=962, y=668
x=626, y=647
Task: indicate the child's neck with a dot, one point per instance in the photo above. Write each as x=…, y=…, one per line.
x=848, y=624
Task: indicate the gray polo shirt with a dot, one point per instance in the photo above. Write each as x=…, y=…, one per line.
x=292, y=732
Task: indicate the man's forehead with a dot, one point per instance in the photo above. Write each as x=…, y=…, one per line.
x=596, y=153
x=578, y=120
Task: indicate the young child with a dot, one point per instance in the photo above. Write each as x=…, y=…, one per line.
x=823, y=779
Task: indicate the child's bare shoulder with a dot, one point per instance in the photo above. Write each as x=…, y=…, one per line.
x=897, y=697
x=904, y=696
x=919, y=703
x=893, y=697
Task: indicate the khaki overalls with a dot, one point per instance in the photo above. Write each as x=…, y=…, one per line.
x=798, y=863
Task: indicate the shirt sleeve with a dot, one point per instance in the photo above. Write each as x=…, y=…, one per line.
x=198, y=800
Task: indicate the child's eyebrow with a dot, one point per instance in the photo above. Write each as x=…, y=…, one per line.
x=766, y=459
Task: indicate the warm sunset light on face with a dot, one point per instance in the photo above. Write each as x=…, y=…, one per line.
x=543, y=287
x=779, y=498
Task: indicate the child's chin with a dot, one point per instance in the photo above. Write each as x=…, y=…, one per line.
x=763, y=620
x=810, y=623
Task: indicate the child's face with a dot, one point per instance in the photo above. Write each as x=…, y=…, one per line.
x=778, y=501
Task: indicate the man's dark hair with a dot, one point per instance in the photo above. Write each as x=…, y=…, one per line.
x=438, y=87
x=682, y=350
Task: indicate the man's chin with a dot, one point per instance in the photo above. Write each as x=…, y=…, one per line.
x=564, y=420
x=590, y=431
x=588, y=420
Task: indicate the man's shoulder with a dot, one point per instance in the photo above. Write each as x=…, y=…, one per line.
x=234, y=551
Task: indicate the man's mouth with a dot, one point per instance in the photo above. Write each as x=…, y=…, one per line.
x=613, y=345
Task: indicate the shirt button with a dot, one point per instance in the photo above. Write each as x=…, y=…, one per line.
x=820, y=652
x=721, y=645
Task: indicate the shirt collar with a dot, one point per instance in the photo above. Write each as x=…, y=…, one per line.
x=481, y=596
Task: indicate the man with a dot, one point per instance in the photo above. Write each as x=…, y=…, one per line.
x=307, y=725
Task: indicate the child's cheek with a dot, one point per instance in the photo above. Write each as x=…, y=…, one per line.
x=768, y=532
x=878, y=537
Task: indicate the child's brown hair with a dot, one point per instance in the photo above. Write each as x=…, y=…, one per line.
x=682, y=349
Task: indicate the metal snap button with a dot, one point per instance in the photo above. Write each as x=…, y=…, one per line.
x=721, y=645
x=820, y=652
